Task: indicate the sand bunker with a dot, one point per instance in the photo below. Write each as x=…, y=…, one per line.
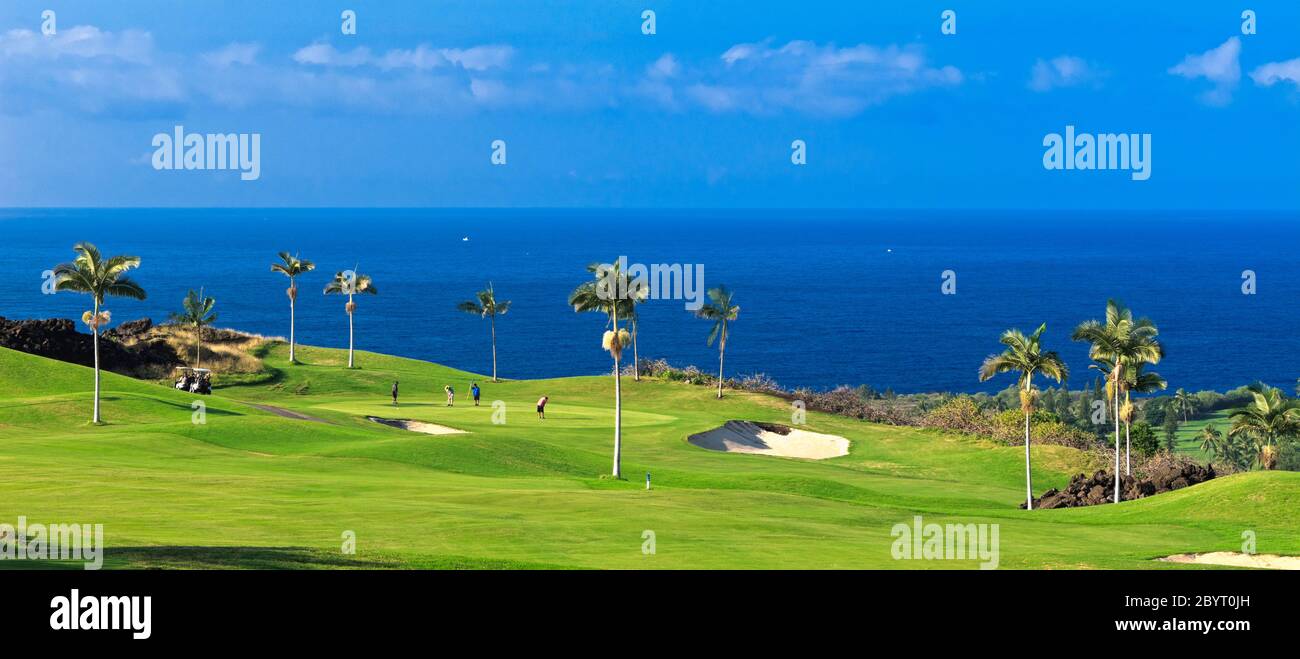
x=771, y=439
x=417, y=426
x=1237, y=559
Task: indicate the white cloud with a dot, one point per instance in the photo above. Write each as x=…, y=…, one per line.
x=80, y=42
x=479, y=58
x=244, y=54
x=1274, y=72
x=805, y=77
x=420, y=58
x=1219, y=65
x=324, y=54
x=1062, y=71
x=717, y=99
x=488, y=91
x=664, y=67
x=740, y=52
x=86, y=69
x=101, y=72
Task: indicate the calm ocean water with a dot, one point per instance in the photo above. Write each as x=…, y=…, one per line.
x=846, y=297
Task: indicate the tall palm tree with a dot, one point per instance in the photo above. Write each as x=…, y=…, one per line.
x=607, y=294
x=485, y=305
x=1185, y=403
x=291, y=267
x=196, y=312
x=1268, y=418
x=722, y=310
x=1117, y=342
x=350, y=283
x=99, y=277
x=1024, y=354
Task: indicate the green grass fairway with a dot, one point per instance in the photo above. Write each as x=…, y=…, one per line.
x=250, y=488
x=1188, y=440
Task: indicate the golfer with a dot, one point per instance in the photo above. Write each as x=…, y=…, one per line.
x=394, y=393
x=451, y=395
x=541, y=407
x=473, y=390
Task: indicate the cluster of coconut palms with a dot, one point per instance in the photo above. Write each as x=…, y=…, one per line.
x=1256, y=430
x=1121, y=347
x=350, y=283
x=614, y=294
x=100, y=277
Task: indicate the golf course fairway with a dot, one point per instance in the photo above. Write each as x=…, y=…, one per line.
x=233, y=485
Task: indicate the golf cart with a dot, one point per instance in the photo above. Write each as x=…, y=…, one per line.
x=194, y=380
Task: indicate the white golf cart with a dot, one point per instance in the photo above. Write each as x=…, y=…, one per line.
x=194, y=380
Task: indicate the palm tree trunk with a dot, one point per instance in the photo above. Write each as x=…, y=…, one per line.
x=350, y=331
x=636, y=359
x=95, y=331
x=1116, y=472
x=618, y=422
x=493, y=319
x=722, y=353
x=1128, y=465
x=618, y=407
x=292, y=304
x=198, y=346
x=1029, y=478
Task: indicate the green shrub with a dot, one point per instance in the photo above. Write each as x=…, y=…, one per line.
x=1143, y=438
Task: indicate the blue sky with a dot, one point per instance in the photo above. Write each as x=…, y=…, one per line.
x=701, y=114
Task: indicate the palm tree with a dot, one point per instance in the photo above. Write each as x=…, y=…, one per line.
x=1212, y=442
x=486, y=306
x=1185, y=403
x=1267, y=419
x=1134, y=379
x=1117, y=342
x=633, y=293
x=1024, y=354
x=197, y=313
x=721, y=310
x=608, y=294
x=350, y=283
x=90, y=273
x=291, y=267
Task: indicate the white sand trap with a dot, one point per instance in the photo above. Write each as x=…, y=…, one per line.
x=771, y=439
x=417, y=426
x=1237, y=559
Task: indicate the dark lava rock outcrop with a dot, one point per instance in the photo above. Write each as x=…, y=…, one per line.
x=1086, y=490
x=58, y=338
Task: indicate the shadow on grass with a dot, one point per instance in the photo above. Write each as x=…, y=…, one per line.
x=212, y=558
x=170, y=557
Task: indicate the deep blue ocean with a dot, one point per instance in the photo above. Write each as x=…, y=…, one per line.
x=826, y=297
